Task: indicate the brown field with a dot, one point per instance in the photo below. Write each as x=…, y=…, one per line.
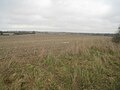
x=59, y=62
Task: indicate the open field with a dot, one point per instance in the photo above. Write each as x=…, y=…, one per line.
x=59, y=62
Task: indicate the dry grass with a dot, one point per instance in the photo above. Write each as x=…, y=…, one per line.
x=59, y=62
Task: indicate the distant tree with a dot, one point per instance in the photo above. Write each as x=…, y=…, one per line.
x=1, y=33
x=116, y=37
x=33, y=32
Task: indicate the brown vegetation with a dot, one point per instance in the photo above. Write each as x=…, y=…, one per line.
x=46, y=62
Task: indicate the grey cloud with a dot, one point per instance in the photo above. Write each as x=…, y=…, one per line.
x=61, y=15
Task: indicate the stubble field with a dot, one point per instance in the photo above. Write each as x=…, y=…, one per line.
x=59, y=62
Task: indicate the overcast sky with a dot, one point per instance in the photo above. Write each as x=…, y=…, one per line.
x=93, y=16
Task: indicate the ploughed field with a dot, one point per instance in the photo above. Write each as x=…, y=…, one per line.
x=59, y=62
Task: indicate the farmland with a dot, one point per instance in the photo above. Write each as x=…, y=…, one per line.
x=59, y=62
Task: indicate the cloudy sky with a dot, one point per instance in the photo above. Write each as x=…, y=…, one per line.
x=93, y=16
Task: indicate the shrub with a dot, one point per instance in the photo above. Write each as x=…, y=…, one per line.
x=1, y=33
x=116, y=37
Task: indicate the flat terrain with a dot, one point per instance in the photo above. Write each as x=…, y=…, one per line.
x=59, y=62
